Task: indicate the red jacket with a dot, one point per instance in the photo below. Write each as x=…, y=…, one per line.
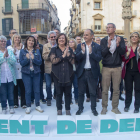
x=132, y=54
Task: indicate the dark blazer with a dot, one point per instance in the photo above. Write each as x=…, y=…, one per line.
x=8, y=43
x=25, y=63
x=112, y=60
x=94, y=59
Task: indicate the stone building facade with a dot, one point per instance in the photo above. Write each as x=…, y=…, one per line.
x=95, y=14
x=28, y=17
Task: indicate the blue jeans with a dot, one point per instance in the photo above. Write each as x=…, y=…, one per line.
x=31, y=81
x=6, y=92
x=48, y=86
x=75, y=84
x=41, y=86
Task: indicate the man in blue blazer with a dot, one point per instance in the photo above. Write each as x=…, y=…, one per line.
x=11, y=33
x=88, y=56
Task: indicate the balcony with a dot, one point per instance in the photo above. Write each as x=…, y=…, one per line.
x=7, y=10
x=71, y=13
x=50, y=19
x=134, y=13
x=73, y=8
x=78, y=1
x=33, y=6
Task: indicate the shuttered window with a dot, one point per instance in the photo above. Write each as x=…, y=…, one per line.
x=7, y=5
x=7, y=25
x=25, y=4
x=97, y=25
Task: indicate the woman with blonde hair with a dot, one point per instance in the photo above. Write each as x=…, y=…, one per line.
x=73, y=46
x=131, y=71
x=16, y=47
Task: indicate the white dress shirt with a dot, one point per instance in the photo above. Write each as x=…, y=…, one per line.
x=113, y=45
x=87, y=65
x=6, y=75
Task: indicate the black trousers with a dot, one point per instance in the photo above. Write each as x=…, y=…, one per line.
x=87, y=92
x=59, y=94
x=131, y=77
x=20, y=86
x=85, y=80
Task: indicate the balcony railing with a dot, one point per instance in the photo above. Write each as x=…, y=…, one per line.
x=73, y=7
x=32, y=6
x=7, y=10
x=78, y=1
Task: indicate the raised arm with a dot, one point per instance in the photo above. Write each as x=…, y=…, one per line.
x=55, y=59
x=96, y=55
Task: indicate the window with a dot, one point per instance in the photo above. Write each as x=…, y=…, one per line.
x=7, y=25
x=97, y=5
x=25, y=4
x=7, y=5
x=97, y=25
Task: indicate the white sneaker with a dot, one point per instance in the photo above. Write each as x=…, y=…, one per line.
x=38, y=108
x=4, y=111
x=12, y=111
x=28, y=110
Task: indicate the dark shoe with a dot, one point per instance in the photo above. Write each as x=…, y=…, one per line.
x=43, y=101
x=79, y=112
x=121, y=98
x=136, y=111
x=88, y=100
x=126, y=109
x=68, y=112
x=95, y=113
x=49, y=103
x=59, y=112
x=97, y=100
x=76, y=102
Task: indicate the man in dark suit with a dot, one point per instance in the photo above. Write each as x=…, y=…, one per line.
x=11, y=33
x=88, y=56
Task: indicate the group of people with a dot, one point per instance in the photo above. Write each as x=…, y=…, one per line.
x=68, y=63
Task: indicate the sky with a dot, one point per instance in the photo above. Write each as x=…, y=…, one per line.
x=63, y=7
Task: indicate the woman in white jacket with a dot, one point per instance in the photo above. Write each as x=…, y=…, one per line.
x=16, y=47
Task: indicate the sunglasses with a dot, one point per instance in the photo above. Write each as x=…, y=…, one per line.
x=3, y=41
x=53, y=37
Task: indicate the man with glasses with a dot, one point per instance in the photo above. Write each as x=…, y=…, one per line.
x=48, y=65
x=57, y=31
x=113, y=47
x=11, y=33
